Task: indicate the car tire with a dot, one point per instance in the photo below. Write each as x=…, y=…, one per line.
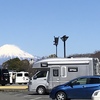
x=61, y=96
x=41, y=90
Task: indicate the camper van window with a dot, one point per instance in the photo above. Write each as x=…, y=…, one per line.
x=44, y=65
x=63, y=71
x=72, y=69
x=41, y=74
x=55, y=72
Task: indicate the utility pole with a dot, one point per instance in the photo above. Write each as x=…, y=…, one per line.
x=64, y=38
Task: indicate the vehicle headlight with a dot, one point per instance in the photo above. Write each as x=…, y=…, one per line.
x=96, y=93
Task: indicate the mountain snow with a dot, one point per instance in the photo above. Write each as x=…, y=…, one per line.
x=11, y=51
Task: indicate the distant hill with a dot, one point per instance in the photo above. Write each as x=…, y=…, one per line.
x=11, y=51
x=96, y=54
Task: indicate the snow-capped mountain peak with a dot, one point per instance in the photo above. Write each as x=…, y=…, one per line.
x=12, y=51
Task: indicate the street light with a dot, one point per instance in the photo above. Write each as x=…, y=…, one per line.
x=64, y=38
x=56, y=39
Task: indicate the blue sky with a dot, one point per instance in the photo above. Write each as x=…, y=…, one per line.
x=32, y=24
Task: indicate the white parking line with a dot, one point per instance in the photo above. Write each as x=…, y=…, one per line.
x=26, y=96
x=18, y=94
x=36, y=98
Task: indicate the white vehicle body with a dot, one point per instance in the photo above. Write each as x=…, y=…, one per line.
x=22, y=77
x=55, y=71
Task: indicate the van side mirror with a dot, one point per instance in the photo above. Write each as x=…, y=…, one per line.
x=35, y=77
x=70, y=84
x=30, y=78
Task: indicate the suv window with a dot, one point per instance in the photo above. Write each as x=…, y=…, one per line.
x=79, y=81
x=93, y=80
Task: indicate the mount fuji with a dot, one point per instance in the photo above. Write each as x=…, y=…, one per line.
x=11, y=51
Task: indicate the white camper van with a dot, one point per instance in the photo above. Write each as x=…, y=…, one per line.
x=55, y=71
x=22, y=77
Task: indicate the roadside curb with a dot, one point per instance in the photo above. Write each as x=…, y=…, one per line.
x=13, y=88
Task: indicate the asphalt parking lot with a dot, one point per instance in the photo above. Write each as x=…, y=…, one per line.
x=24, y=96
x=21, y=92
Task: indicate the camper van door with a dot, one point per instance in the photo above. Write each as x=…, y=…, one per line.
x=55, y=76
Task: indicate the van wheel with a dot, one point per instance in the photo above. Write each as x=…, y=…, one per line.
x=3, y=84
x=20, y=83
x=61, y=96
x=41, y=90
x=11, y=83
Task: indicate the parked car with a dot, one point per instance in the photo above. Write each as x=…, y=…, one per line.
x=22, y=77
x=78, y=88
x=96, y=95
